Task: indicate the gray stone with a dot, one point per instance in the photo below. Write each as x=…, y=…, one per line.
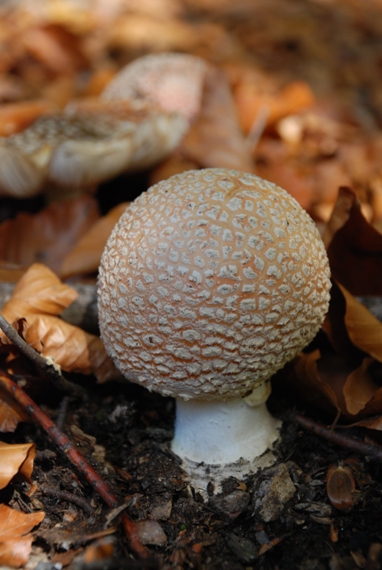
x=272, y=494
x=243, y=548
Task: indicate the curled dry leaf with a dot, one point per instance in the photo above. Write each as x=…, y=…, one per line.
x=70, y=347
x=354, y=247
x=216, y=139
x=86, y=254
x=48, y=235
x=16, y=459
x=15, y=537
x=38, y=297
x=344, y=378
x=38, y=292
x=310, y=386
x=11, y=413
x=360, y=388
x=365, y=330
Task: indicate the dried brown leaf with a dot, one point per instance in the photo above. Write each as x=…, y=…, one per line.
x=15, y=537
x=354, y=247
x=215, y=140
x=11, y=413
x=38, y=292
x=311, y=385
x=55, y=48
x=49, y=235
x=86, y=254
x=373, y=423
x=70, y=347
x=16, y=459
x=251, y=99
x=38, y=297
x=365, y=330
x=359, y=388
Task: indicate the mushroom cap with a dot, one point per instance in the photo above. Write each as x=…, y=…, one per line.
x=89, y=142
x=209, y=283
x=173, y=81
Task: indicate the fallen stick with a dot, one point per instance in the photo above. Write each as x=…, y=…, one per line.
x=76, y=458
x=355, y=444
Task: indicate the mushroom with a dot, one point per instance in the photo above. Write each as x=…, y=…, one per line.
x=209, y=283
x=87, y=143
x=172, y=81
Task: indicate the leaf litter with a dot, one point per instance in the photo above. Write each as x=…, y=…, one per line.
x=277, y=103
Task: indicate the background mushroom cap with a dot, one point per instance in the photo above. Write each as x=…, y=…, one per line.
x=210, y=282
x=173, y=81
x=91, y=141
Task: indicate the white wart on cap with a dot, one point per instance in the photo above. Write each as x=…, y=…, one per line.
x=210, y=282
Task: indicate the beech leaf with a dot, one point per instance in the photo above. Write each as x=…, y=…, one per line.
x=16, y=458
x=365, y=330
x=216, y=139
x=11, y=413
x=85, y=256
x=38, y=297
x=354, y=247
x=359, y=388
x=48, y=235
x=15, y=537
x=311, y=385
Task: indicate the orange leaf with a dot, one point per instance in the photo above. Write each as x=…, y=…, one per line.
x=251, y=100
x=16, y=458
x=15, y=540
x=86, y=254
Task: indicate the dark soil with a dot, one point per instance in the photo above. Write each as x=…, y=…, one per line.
x=225, y=531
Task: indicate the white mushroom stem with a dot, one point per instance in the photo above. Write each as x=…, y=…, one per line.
x=223, y=434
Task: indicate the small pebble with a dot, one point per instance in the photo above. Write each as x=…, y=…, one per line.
x=150, y=532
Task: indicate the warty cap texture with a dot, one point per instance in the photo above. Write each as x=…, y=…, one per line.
x=210, y=282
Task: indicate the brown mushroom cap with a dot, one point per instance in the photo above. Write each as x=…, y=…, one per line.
x=87, y=143
x=210, y=282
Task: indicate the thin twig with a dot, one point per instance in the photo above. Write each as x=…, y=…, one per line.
x=69, y=497
x=46, y=368
x=355, y=444
x=77, y=459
